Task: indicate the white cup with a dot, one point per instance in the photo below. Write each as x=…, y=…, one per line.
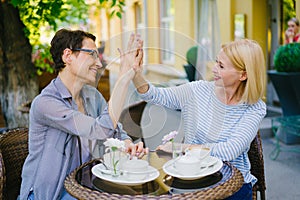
x=135, y=169
x=187, y=165
x=199, y=153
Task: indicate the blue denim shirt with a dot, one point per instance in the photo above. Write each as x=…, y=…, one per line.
x=55, y=123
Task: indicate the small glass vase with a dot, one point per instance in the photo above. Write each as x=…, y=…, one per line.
x=115, y=156
x=176, y=149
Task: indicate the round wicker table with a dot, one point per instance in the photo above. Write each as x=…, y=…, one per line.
x=80, y=184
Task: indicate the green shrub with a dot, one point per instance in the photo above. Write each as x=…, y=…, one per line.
x=287, y=58
x=191, y=55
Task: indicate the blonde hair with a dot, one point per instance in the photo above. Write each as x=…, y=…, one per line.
x=246, y=55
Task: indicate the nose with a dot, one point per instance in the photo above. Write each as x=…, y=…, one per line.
x=215, y=69
x=98, y=63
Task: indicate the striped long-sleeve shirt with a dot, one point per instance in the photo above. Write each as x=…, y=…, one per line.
x=227, y=129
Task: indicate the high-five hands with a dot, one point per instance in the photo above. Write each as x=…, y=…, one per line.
x=133, y=57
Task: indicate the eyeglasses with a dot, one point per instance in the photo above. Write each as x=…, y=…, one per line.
x=91, y=52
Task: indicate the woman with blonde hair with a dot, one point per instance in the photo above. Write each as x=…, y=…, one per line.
x=223, y=114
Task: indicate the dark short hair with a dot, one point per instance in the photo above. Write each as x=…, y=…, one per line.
x=295, y=20
x=63, y=39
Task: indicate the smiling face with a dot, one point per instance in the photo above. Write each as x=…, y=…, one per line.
x=225, y=74
x=292, y=26
x=85, y=65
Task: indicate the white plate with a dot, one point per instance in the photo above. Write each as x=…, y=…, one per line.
x=100, y=171
x=214, y=165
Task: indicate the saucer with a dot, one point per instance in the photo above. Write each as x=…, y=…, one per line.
x=100, y=171
x=213, y=165
x=209, y=161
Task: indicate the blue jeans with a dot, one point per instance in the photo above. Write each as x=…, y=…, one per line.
x=245, y=193
x=30, y=196
x=65, y=196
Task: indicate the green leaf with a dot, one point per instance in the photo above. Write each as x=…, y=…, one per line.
x=113, y=3
x=114, y=148
x=15, y=3
x=122, y=3
x=119, y=15
x=112, y=13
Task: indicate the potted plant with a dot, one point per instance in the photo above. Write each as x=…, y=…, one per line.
x=190, y=68
x=286, y=80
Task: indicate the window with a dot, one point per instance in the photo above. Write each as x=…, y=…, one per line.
x=208, y=35
x=167, y=37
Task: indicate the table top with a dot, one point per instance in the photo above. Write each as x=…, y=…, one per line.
x=82, y=184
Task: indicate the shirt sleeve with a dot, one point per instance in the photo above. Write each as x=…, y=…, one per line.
x=59, y=114
x=241, y=136
x=121, y=133
x=172, y=97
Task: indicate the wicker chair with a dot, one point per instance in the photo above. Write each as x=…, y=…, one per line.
x=3, y=127
x=13, y=151
x=257, y=167
x=131, y=120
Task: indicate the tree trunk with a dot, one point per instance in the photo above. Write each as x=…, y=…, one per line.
x=18, y=82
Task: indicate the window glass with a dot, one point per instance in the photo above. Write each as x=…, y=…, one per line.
x=167, y=37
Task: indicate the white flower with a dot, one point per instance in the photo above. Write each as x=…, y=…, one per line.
x=169, y=137
x=114, y=143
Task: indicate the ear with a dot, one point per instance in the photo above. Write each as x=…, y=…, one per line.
x=66, y=57
x=243, y=76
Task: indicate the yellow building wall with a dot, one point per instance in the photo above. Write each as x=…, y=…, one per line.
x=184, y=30
x=225, y=18
x=255, y=12
x=259, y=23
x=153, y=31
x=297, y=9
x=115, y=37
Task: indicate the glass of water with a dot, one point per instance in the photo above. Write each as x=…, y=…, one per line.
x=176, y=149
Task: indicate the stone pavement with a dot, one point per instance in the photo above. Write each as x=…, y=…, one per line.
x=283, y=174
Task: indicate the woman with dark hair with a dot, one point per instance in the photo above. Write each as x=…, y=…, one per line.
x=69, y=115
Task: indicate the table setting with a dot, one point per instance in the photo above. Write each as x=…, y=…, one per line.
x=121, y=168
x=132, y=172
x=184, y=166
x=190, y=168
x=160, y=173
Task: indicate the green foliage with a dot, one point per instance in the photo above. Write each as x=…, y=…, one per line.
x=288, y=12
x=287, y=58
x=191, y=55
x=114, y=7
x=42, y=59
x=47, y=14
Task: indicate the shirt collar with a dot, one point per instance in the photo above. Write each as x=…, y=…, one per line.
x=62, y=89
x=64, y=92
